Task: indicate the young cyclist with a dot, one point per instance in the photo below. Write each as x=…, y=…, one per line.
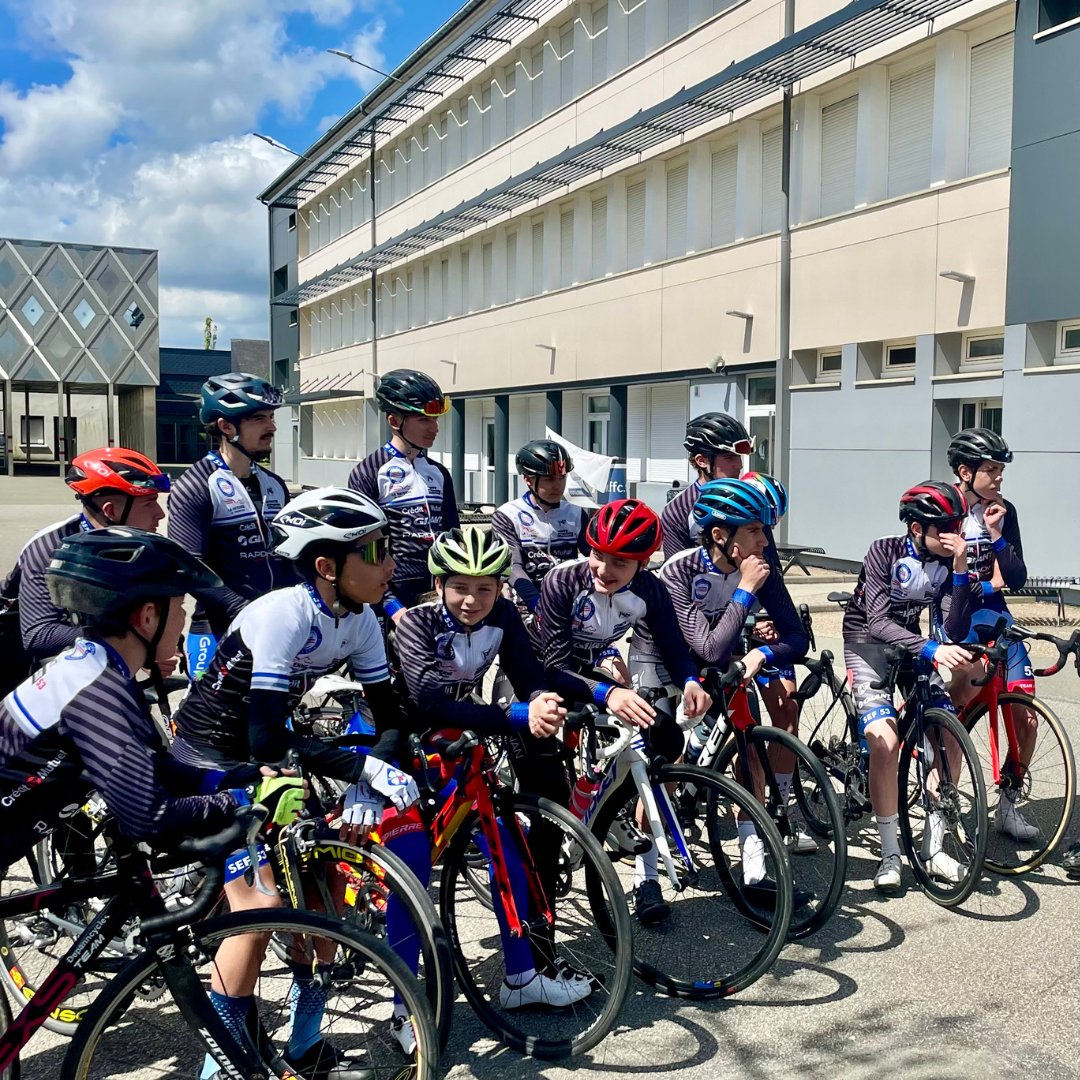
x=221, y=508
x=717, y=444
x=115, y=487
x=586, y=608
x=271, y=653
x=446, y=648
x=978, y=456
x=541, y=527
x=416, y=494
x=900, y=577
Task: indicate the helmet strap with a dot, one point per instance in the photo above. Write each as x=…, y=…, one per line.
x=342, y=603
x=234, y=441
x=399, y=431
x=152, y=644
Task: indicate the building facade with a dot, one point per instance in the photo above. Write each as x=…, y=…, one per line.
x=78, y=350
x=573, y=215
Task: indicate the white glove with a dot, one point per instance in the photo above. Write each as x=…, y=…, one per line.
x=397, y=787
x=362, y=806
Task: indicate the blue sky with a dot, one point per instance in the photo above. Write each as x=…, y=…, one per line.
x=128, y=121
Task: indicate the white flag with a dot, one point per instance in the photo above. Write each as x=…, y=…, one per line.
x=591, y=471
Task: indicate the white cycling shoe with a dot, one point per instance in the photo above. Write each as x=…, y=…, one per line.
x=888, y=876
x=544, y=992
x=945, y=868
x=800, y=842
x=402, y=1029
x=1008, y=821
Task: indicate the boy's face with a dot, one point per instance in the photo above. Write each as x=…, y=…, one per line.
x=550, y=489
x=611, y=573
x=748, y=540
x=932, y=534
x=468, y=599
x=986, y=480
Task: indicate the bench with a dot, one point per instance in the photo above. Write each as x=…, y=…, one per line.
x=794, y=555
x=1046, y=589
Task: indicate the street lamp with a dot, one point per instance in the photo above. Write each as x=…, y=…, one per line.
x=274, y=143
x=957, y=275
x=360, y=63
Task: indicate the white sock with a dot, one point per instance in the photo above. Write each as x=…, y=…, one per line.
x=886, y=827
x=936, y=828
x=753, y=860
x=520, y=979
x=783, y=783
x=746, y=830
x=401, y=1010
x=645, y=867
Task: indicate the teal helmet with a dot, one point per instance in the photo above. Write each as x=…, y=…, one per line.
x=732, y=503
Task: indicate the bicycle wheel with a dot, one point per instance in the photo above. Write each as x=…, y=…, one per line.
x=943, y=821
x=705, y=947
x=818, y=853
x=12, y=1071
x=591, y=930
x=368, y=874
x=124, y=1036
x=1046, y=795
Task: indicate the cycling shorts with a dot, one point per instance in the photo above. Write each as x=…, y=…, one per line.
x=866, y=664
x=769, y=675
x=1019, y=676
x=665, y=736
x=236, y=864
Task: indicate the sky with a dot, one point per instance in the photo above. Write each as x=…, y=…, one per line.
x=129, y=122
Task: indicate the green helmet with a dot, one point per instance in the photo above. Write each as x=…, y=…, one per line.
x=471, y=551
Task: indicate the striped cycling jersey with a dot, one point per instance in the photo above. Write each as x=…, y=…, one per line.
x=983, y=553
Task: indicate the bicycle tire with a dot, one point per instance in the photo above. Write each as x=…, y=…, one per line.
x=1049, y=792
x=705, y=949
x=964, y=802
x=591, y=932
x=102, y=1043
x=14, y=1070
x=821, y=874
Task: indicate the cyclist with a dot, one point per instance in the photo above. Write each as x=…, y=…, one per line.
x=115, y=487
x=541, y=527
x=900, y=576
x=716, y=443
x=586, y=607
x=416, y=493
x=446, y=647
x=978, y=456
x=714, y=588
x=221, y=507
x=274, y=649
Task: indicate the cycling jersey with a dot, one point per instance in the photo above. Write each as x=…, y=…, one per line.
x=78, y=725
x=213, y=514
x=712, y=610
x=677, y=521
x=579, y=625
x=418, y=499
x=539, y=539
x=1007, y=552
x=272, y=653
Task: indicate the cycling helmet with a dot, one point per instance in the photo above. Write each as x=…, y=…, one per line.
x=732, y=503
x=405, y=391
x=544, y=458
x=325, y=516
x=973, y=446
x=626, y=528
x=234, y=395
x=471, y=551
x=932, y=502
x=114, y=469
x=716, y=433
x=107, y=572
x=774, y=491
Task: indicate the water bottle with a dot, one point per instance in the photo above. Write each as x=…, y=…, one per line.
x=699, y=736
x=582, y=796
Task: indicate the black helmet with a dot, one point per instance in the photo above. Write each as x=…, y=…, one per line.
x=973, y=446
x=412, y=392
x=100, y=574
x=235, y=395
x=933, y=502
x=544, y=457
x=716, y=433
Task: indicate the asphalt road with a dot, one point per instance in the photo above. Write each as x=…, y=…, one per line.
x=891, y=987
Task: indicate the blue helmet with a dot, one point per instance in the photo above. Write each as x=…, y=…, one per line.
x=235, y=395
x=775, y=492
x=732, y=503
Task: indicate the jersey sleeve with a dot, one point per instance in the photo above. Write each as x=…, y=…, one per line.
x=675, y=524
x=1009, y=552
x=792, y=641
x=274, y=640
x=45, y=629
x=368, y=660
x=877, y=579
x=664, y=628
x=363, y=479
x=520, y=581
x=957, y=612
x=716, y=644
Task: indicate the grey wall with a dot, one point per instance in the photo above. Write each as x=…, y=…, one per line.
x=284, y=339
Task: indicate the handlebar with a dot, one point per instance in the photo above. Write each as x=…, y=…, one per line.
x=715, y=680
x=895, y=657
x=808, y=625
x=451, y=749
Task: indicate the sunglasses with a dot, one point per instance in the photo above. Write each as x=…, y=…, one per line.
x=160, y=483
x=374, y=552
x=953, y=526
x=438, y=407
x=743, y=447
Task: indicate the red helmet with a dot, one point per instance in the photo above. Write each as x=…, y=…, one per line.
x=115, y=469
x=932, y=502
x=625, y=528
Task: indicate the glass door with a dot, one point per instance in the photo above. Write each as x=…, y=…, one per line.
x=760, y=418
x=488, y=479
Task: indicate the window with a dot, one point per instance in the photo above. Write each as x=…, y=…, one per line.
x=1069, y=339
x=678, y=18
x=566, y=64
x=599, y=42
x=599, y=237
x=292, y=316
x=771, y=193
x=512, y=266
x=566, y=248
x=292, y=221
x=761, y=390
x=537, y=257
x=487, y=274
x=635, y=224
x=900, y=356
x=635, y=30
x=510, y=91
x=465, y=302
x=838, y=130
x=677, y=194
x=911, y=114
x=443, y=290
x=990, y=105
x=983, y=350
x=36, y=427
x=281, y=280
x=537, y=88
x=828, y=364
x=598, y=408
x=725, y=172
x=485, y=119
x=1054, y=13
x=981, y=414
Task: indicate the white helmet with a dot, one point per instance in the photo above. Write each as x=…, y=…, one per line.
x=326, y=515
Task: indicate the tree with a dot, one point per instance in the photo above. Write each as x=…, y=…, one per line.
x=209, y=333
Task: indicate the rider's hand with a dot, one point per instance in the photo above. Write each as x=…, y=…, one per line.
x=630, y=706
x=754, y=571
x=615, y=667
x=956, y=546
x=396, y=617
x=361, y=812
x=546, y=714
x=753, y=661
x=167, y=665
x=283, y=797
x=951, y=657
x=994, y=516
x=765, y=631
x=397, y=787
x=696, y=700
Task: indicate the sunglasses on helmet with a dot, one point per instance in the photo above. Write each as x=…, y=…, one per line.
x=742, y=447
x=158, y=482
x=438, y=407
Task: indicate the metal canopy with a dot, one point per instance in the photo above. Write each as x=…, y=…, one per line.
x=845, y=33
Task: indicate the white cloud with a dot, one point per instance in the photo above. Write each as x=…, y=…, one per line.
x=144, y=144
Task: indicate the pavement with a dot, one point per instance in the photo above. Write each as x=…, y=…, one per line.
x=892, y=987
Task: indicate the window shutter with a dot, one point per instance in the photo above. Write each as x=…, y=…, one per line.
x=487, y=252
x=668, y=407
x=677, y=193
x=990, y=105
x=637, y=431
x=511, y=266
x=838, y=131
x=566, y=247
x=465, y=303
x=599, y=42
x=911, y=116
x=635, y=31
x=537, y=258
x=599, y=237
x=770, y=180
x=566, y=65
x=510, y=89
x=537, y=83
x=725, y=176
x=485, y=119
x=635, y=224
x=678, y=18
x=444, y=287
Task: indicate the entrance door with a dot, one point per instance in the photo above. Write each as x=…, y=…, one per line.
x=760, y=418
x=488, y=476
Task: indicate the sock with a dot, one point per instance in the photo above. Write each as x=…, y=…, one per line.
x=401, y=936
x=645, y=867
x=935, y=827
x=517, y=952
x=233, y=1012
x=783, y=784
x=746, y=830
x=886, y=827
x=520, y=978
x=307, y=1004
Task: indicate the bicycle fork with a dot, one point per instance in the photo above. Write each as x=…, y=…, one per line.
x=656, y=805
